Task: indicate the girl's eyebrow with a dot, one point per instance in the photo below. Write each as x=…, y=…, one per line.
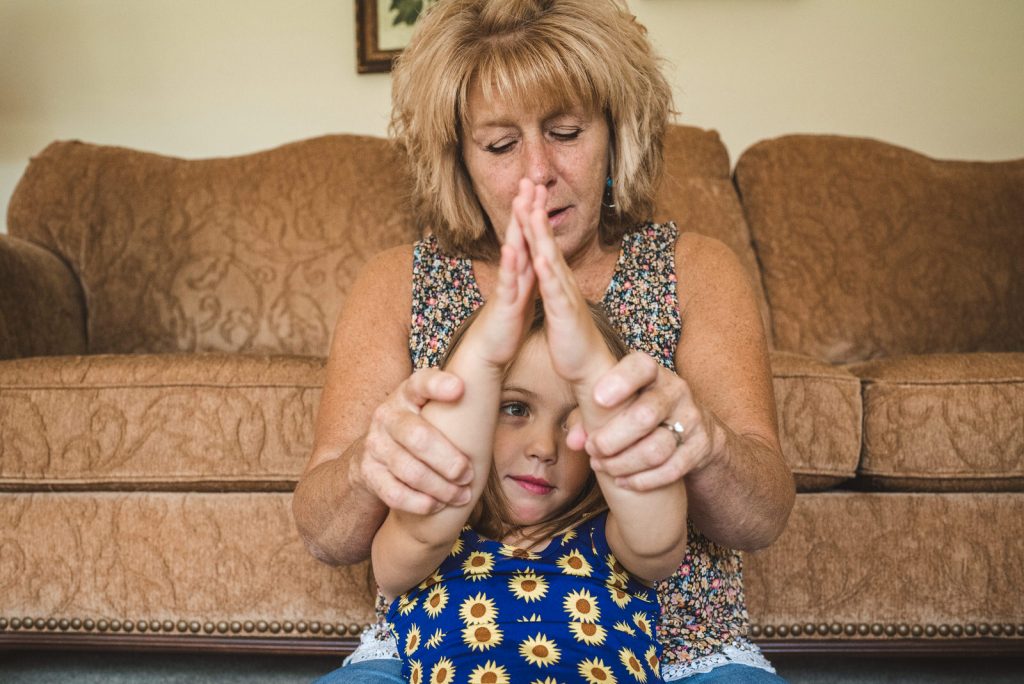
x=518, y=390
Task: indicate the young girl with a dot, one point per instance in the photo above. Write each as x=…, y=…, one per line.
x=550, y=581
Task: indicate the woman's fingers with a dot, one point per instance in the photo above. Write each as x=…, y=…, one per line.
x=645, y=394
x=407, y=462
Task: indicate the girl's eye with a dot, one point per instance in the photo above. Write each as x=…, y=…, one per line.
x=516, y=409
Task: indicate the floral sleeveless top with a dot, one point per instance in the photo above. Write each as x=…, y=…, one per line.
x=703, y=610
x=496, y=613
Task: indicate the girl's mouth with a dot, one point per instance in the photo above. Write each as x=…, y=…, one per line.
x=533, y=485
x=555, y=215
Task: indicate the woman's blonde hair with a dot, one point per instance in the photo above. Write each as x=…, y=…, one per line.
x=554, y=53
x=491, y=517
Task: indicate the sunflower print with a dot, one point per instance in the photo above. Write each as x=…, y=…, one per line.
x=589, y=633
x=539, y=650
x=632, y=664
x=434, y=578
x=624, y=627
x=568, y=536
x=515, y=552
x=478, y=565
x=489, y=673
x=443, y=672
x=482, y=636
x=412, y=640
x=489, y=632
x=478, y=609
x=415, y=672
x=582, y=606
x=406, y=605
x=620, y=576
x=619, y=597
x=437, y=599
x=457, y=547
x=594, y=671
x=640, y=620
x=546, y=680
x=435, y=639
x=651, y=656
x=528, y=586
x=573, y=563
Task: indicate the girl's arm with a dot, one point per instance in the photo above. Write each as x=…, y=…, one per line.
x=409, y=546
x=646, y=530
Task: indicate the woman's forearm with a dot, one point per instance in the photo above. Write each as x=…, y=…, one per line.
x=335, y=515
x=742, y=497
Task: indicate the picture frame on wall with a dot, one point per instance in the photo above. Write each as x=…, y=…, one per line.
x=383, y=29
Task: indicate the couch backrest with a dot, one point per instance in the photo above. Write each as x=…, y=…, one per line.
x=872, y=250
x=256, y=253
x=250, y=253
x=697, y=193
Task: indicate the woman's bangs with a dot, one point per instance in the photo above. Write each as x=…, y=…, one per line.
x=535, y=74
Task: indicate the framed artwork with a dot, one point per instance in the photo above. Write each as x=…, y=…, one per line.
x=383, y=29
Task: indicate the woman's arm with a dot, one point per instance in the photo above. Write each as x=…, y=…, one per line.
x=740, y=489
x=368, y=424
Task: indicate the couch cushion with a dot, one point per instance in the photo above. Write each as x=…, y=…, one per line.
x=697, y=193
x=946, y=422
x=819, y=420
x=147, y=556
x=251, y=253
x=871, y=250
x=864, y=559
x=202, y=421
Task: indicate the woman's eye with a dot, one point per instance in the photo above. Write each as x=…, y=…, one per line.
x=500, y=148
x=516, y=409
x=566, y=134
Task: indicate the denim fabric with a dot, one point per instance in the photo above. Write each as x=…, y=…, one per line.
x=389, y=671
x=383, y=671
x=734, y=674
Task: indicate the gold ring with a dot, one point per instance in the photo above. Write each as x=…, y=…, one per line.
x=677, y=429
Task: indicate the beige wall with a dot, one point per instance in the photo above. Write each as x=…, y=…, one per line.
x=218, y=77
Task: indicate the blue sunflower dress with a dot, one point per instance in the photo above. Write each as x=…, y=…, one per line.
x=504, y=615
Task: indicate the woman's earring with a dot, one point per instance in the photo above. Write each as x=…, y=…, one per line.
x=609, y=198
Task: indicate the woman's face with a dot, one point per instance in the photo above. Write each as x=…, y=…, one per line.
x=565, y=151
x=539, y=474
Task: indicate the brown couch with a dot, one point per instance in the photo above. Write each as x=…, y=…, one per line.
x=163, y=324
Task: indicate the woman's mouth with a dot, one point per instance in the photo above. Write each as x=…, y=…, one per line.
x=534, y=485
x=556, y=216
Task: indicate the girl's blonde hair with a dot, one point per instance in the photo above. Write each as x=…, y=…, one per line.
x=557, y=54
x=491, y=517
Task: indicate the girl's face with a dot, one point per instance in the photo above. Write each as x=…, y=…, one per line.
x=538, y=473
x=567, y=152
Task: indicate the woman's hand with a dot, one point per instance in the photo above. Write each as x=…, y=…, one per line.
x=578, y=352
x=406, y=462
x=633, y=445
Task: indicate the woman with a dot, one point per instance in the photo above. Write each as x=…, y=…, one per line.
x=566, y=94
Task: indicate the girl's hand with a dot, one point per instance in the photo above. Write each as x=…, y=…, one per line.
x=578, y=352
x=499, y=330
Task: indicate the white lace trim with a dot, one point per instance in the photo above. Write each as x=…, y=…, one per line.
x=738, y=652
x=377, y=643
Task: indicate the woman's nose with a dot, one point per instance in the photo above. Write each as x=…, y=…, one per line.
x=539, y=168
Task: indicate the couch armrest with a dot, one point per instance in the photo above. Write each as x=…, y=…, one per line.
x=42, y=311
